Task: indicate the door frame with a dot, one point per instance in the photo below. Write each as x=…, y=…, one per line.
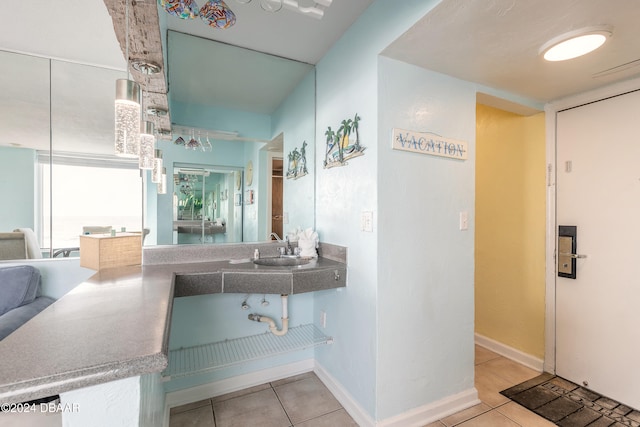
x=551, y=111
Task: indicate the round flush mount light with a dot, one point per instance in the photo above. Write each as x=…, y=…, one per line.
x=575, y=43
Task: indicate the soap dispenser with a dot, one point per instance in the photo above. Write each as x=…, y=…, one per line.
x=256, y=254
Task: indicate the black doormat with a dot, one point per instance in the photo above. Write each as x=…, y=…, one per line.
x=569, y=405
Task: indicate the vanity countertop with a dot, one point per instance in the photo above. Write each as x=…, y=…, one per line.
x=116, y=324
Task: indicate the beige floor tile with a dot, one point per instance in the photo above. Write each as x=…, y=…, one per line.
x=260, y=408
x=190, y=406
x=239, y=393
x=435, y=424
x=484, y=355
x=200, y=417
x=510, y=370
x=306, y=399
x=338, y=418
x=489, y=386
x=523, y=416
x=465, y=415
x=489, y=419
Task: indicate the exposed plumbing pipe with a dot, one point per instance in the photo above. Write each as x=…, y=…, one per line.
x=272, y=324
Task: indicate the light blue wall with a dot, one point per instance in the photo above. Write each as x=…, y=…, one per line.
x=59, y=275
x=18, y=205
x=425, y=263
x=211, y=318
x=347, y=83
x=296, y=120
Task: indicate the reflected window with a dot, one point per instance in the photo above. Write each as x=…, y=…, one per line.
x=88, y=193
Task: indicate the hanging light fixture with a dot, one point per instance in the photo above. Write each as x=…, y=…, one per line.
x=127, y=118
x=156, y=172
x=127, y=107
x=162, y=185
x=147, y=145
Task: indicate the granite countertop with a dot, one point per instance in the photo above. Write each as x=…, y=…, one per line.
x=116, y=324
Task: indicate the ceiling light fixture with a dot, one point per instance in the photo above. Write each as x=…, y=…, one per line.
x=145, y=67
x=156, y=172
x=575, y=43
x=127, y=108
x=147, y=146
x=156, y=111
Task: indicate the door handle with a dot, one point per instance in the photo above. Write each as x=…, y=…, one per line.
x=575, y=256
x=567, y=248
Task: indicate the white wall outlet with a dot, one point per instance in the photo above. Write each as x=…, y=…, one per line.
x=366, y=221
x=464, y=220
x=285, y=217
x=323, y=318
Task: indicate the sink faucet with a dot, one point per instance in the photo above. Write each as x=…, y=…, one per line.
x=289, y=249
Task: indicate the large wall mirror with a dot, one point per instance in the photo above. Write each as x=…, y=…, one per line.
x=59, y=177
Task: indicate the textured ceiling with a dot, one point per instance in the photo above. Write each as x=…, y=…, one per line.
x=496, y=43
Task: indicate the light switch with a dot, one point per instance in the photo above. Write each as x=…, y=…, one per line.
x=464, y=220
x=366, y=221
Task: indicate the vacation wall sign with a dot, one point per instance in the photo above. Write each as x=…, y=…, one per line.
x=428, y=143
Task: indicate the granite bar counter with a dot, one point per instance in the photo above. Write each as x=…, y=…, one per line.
x=116, y=324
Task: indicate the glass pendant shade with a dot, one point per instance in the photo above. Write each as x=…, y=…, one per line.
x=127, y=118
x=162, y=185
x=147, y=145
x=156, y=172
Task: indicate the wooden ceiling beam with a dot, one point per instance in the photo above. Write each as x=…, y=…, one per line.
x=145, y=43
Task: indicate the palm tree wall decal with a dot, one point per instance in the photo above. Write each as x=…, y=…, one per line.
x=339, y=148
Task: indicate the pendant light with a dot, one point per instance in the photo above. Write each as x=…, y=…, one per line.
x=156, y=172
x=162, y=185
x=127, y=107
x=147, y=145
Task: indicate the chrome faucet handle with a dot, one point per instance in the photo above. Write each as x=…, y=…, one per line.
x=282, y=250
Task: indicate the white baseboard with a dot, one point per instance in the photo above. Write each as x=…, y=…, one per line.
x=416, y=417
x=229, y=385
x=431, y=412
x=347, y=401
x=510, y=353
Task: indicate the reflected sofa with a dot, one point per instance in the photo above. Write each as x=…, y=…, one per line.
x=20, y=298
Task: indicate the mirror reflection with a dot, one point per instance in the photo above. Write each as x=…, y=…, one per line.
x=203, y=212
x=59, y=177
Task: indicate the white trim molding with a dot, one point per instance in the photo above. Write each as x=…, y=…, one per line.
x=521, y=357
x=357, y=412
x=414, y=418
x=434, y=411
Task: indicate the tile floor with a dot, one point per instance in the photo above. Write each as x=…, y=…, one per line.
x=300, y=401
x=303, y=401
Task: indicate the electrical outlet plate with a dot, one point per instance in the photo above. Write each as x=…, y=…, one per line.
x=323, y=318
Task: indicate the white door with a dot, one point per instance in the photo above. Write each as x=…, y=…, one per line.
x=598, y=190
